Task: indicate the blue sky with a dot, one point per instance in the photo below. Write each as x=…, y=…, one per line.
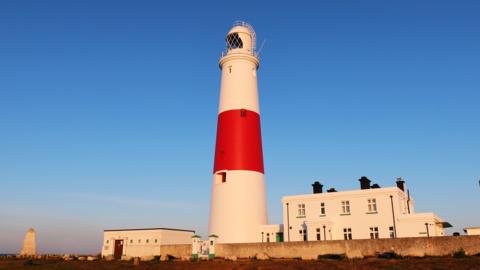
x=108, y=108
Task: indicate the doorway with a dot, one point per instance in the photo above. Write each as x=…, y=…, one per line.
x=118, y=250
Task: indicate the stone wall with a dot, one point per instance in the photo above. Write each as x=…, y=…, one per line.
x=177, y=251
x=433, y=246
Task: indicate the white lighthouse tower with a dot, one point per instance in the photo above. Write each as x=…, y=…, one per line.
x=238, y=204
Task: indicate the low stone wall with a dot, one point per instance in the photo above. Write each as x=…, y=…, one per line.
x=417, y=247
x=177, y=251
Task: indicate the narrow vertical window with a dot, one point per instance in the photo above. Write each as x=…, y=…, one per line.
x=391, y=232
x=372, y=205
x=373, y=232
x=243, y=113
x=318, y=234
x=322, y=209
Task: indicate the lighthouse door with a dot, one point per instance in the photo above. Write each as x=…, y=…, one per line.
x=118, y=250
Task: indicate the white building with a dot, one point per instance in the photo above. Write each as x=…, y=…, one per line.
x=142, y=242
x=472, y=230
x=371, y=212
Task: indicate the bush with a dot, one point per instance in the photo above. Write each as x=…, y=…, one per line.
x=337, y=257
x=459, y=254
x=28, y=262
x=389, y=255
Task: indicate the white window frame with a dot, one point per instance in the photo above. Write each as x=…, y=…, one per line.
x=391, y=232
x=345, y=207
x=347, y=234
x=372, y=205
x=301, y=210
x=374, y=234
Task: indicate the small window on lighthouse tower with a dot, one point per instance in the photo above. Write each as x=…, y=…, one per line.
x=234, y=41
x=243, y=113
x=220, y=177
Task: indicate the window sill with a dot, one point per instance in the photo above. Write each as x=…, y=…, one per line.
x=371, y=213
x=322, y=215
x=301, y=216
x=346, y=214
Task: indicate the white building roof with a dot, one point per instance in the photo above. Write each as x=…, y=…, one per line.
x=149, y=229
x=358, y=192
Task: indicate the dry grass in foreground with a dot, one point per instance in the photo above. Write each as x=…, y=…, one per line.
x=369, y=263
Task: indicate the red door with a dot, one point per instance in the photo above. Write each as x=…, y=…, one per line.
x=118, y=250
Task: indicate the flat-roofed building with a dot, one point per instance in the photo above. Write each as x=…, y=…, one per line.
x=142, y=242
x=472, y=230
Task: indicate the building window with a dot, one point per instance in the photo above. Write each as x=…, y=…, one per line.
x=156, y=241
x=318, y=234
x=322, y=209
x=345, y=207
x=391, y=232
x=372, y=205
x=243, y=113
x=301, y=209
x=268, y=238
x=131, y=241
x=347, y=233
x=373, y=232
x=139, y=241
x=220, y=177
x=107, y=242
x=146, y=241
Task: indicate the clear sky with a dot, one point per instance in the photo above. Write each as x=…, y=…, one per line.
x=108, y=109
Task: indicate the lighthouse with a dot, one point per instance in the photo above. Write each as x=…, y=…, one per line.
x=238, y=202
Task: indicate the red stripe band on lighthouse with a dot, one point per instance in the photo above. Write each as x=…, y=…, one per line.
x=239, y=141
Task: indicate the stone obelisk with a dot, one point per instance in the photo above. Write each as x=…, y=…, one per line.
x=29, y=244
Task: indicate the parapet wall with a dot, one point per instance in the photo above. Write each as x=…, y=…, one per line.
x=414, y=247
x=417, y=247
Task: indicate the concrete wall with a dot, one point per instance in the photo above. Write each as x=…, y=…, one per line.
x=433, y=246
x=176, y=251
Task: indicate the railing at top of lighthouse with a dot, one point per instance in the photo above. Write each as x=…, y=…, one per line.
x=253, y=36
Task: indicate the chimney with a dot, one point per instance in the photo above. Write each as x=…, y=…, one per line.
x=375, y=186
x=364, y=182
x=317, y=187
x=332, y=190
x=401, y=183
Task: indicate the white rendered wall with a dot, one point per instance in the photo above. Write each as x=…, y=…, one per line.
x=359, y=220
x=473, y=231
x=135, y=241
x=238, y=87
x=241, y=204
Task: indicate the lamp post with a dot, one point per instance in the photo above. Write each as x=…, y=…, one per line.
x=324, y=232
x=428, y=232
x=393, y=217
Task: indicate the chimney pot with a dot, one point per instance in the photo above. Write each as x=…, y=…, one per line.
x=364, y=182
x=400, y=183
x=317, y=187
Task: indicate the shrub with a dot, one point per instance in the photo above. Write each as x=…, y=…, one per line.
x=338, y=257
x=459, y=253
x=389, y=255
